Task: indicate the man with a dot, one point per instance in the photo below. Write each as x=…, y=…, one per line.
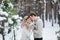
x=38, y=26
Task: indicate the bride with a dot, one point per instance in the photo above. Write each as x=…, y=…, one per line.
x=27, y=33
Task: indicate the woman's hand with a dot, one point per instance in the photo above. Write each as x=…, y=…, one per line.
x=27, y=26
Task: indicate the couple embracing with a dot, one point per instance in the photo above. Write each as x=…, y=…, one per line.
x=32, y=27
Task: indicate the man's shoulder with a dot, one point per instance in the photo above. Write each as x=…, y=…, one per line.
x=39, y=19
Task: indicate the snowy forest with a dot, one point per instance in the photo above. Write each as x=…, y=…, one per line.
x=13, y=11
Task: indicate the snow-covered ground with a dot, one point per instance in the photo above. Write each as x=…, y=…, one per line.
x=49, y=32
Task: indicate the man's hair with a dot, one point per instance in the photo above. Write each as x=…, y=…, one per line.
x=32, y=14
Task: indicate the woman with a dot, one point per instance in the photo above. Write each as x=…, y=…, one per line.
x=27, y=33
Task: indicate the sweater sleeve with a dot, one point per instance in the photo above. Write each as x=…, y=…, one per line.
x=39, y=26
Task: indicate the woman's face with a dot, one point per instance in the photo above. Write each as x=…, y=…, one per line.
x=28, y=20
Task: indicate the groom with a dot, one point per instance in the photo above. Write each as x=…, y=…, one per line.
x=38, y=25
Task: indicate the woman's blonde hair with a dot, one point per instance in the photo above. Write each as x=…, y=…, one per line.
x=24, y=21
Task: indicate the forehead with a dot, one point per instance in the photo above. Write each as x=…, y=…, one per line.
x=32, y=16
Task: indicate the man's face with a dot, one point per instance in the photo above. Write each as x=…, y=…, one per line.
x=31, y=18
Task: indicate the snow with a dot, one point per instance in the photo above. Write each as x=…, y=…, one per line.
x=10, y=5
x=2, y=18
x=34, y=0
x=58, y=34
x=55, y=1
x=1, y=37
x=21, y=18
x=3, y=13
x=10, y=21
x=15, y=16
x=0, y=9
x=49, y=32
x=6, y=24
x=59, y=11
